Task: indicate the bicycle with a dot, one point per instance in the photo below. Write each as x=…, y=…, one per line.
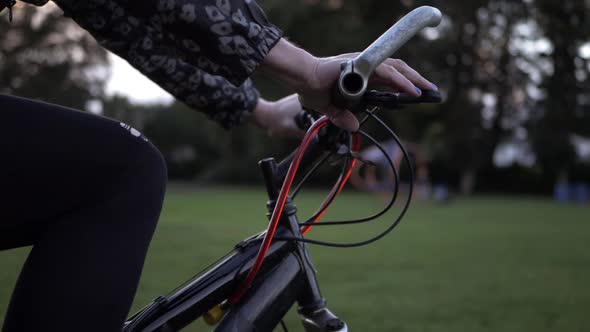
x=254, y=286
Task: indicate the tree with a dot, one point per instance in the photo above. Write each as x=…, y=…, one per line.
x=46, y=56
x=565, y=23
x=198, y=149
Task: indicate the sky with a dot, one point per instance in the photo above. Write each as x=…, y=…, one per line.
x=126, y=80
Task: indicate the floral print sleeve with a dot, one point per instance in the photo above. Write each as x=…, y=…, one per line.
x=201, y=51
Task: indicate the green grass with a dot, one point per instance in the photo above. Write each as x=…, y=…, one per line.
x=480, y=264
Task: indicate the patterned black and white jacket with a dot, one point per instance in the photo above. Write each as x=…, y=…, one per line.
x=201, y=51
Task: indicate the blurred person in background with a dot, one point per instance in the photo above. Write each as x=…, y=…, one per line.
x=375, y=174
x=86, y=191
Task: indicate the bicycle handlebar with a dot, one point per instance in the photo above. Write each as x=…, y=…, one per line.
x=356, y=72
x=369, y=99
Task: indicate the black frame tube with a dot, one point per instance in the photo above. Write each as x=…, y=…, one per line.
x=269, y=299
x=188, y=303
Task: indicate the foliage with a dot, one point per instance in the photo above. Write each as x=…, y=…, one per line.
x=44, y=56
x=515, y=76
x=564, y=24
x=512, y=72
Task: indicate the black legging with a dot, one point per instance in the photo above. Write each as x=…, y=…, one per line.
x=86, y=193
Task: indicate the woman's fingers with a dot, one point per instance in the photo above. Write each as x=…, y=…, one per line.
x=392, y=72
x=342, y=118
x=411, y=74
x=389, y=71
x=388, y=75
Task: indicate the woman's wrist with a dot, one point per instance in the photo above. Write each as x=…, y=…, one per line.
x=291, y=65
x=260, y=113
x=279, y=117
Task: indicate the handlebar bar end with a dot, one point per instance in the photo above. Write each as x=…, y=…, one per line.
x=351, y=83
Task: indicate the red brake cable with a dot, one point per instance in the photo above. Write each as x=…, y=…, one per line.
x=278, y=210
x=356, y=142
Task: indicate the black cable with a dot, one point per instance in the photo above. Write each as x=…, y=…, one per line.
x=146, y=312
x=239, y=270
x=388, y=229
x=325, y=158
x=376, y=215
x=332, y=195
x=199, y=273
x=373, y=111
x=310, y=173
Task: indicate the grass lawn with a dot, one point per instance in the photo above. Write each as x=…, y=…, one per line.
x=478, y=264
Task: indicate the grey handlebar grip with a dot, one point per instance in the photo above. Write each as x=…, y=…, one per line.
x=356, y=72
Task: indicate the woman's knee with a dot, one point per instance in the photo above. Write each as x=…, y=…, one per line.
x=151, y=170
x=141, y=190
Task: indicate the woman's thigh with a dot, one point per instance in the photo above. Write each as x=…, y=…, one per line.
x=55, y=160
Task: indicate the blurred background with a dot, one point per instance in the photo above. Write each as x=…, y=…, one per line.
x=509, y=249
x=514, y=73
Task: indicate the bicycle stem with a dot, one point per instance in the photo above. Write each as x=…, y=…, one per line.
x=356, y=72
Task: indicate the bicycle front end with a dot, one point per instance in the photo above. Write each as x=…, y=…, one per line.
x=254, y=286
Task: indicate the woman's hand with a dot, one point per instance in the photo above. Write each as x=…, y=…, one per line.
x=312, y=78
x=393, y=73
x=278, y=117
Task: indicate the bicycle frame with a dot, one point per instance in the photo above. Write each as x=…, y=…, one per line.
x=287, y=276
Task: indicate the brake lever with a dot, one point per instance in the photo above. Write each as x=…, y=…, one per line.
x=396, y=100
